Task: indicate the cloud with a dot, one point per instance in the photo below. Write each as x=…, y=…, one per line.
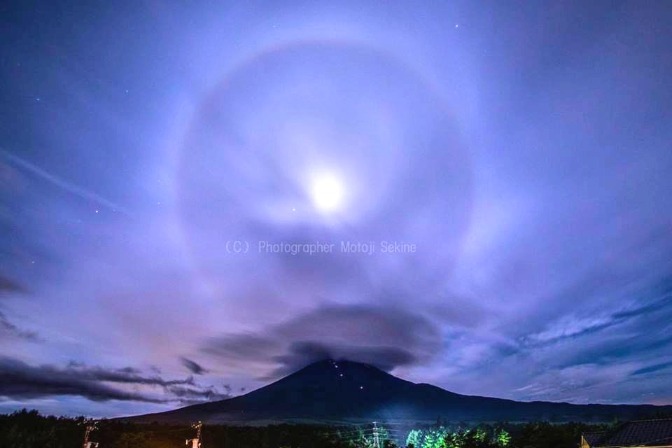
x=193, y=366
x=19, y=380
x=624, y=338
x=638, y=312
x=571, y=326
x=191, y=395
x=300, y=354
x=22, y=381
x=8, y=285
x=63, y=184
x=384, y=337
x=9, y=329
x=652, y=368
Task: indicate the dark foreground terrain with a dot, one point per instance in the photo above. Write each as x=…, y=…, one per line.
x=28, y=429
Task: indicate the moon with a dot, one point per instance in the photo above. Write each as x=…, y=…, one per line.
x=327, y=192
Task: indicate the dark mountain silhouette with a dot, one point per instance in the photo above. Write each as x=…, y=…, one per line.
x=347, y=391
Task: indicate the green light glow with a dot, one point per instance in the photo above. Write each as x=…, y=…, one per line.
x=503, y=438
x=441, y=437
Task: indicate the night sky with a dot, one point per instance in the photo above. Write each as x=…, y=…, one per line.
x=179, y=183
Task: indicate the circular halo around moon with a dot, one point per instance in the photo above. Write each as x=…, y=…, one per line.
x=321, y=142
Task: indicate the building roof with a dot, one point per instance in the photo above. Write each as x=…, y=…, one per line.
x=594, y=438
x=635, y=433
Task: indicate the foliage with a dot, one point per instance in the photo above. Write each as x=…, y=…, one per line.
x=482, y=436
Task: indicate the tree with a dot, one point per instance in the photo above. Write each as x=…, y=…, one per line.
x=502, y=438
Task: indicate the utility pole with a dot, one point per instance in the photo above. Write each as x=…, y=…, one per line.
x=90, y=427
x=196, y=442
x=376, y=441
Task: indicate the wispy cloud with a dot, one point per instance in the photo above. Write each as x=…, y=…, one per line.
x=20, y=380
x=63, y=184
x=9, y=329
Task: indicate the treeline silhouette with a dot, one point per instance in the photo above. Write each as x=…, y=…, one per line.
x=29, y=429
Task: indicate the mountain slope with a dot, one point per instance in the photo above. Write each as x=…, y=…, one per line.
x=349, y=391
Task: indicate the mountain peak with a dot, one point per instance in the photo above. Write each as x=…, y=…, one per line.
x=330, y=374
x=342, y=364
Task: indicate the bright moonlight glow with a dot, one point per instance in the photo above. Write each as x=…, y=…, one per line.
x=327, y=192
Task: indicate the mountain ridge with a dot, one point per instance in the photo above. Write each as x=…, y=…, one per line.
x=348, y=391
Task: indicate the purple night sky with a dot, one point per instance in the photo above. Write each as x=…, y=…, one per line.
x=166, y=166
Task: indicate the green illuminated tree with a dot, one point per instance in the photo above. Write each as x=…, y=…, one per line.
x=502, y=438
x=414, y=438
